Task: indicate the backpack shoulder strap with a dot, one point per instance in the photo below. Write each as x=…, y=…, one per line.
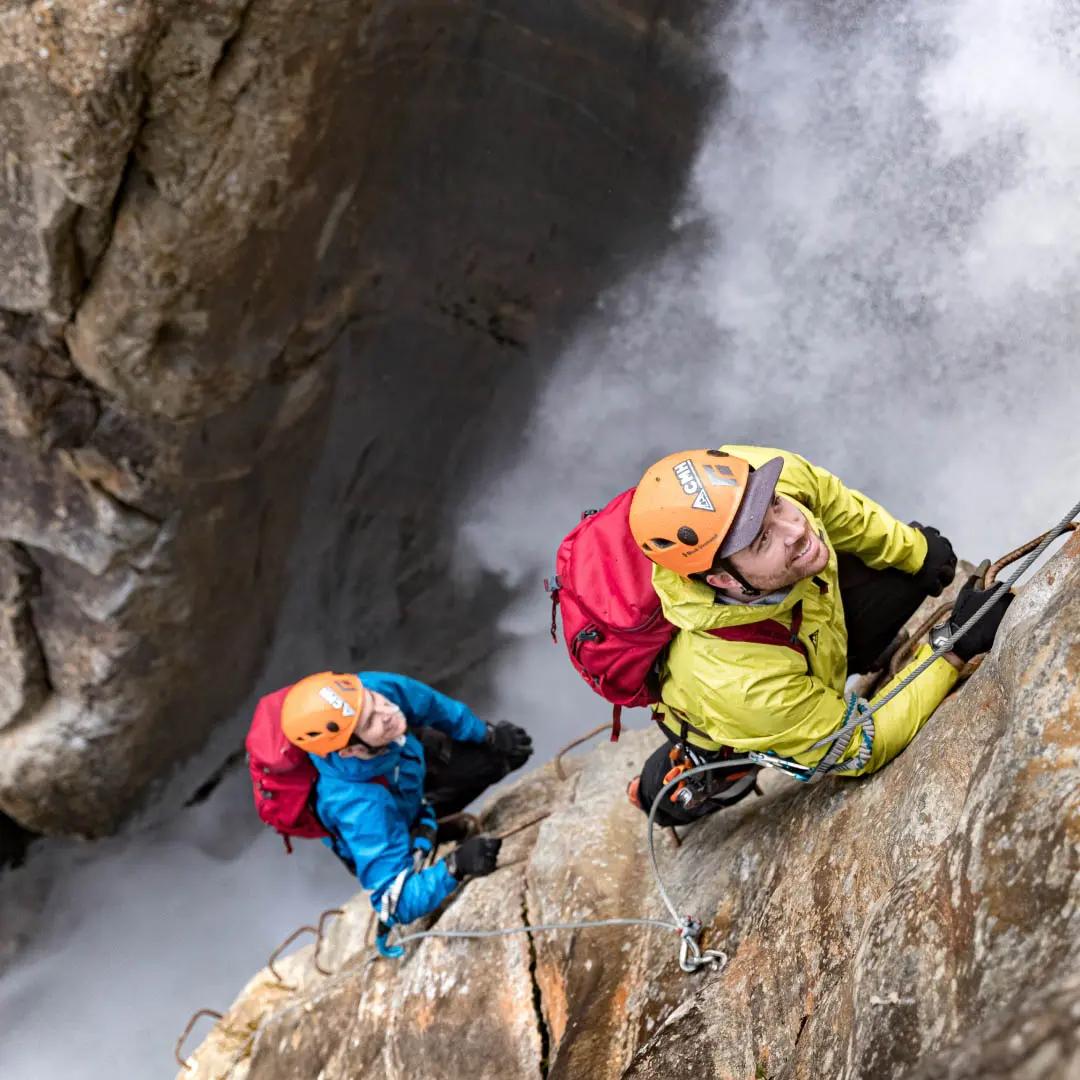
x=767, y=632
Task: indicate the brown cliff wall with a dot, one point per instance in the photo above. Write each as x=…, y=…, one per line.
x=272, y=255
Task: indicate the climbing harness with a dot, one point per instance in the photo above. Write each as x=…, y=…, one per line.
x=692, y=957
x=693, y=793
x=685, y=795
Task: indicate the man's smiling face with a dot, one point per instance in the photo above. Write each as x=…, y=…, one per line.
x=785, y=551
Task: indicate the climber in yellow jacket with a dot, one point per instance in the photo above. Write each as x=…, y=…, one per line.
x=782, y=581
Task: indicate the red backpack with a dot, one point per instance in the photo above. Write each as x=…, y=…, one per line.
x=613, y=624
x=282, y=776
x=614, y=629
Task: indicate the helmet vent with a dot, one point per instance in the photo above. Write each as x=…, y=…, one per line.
x=687, y=535
x=717, y=453
x=313, y=734
x=661, y=543
x=331, y=725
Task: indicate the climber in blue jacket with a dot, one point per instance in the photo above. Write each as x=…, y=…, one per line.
x=392, y=756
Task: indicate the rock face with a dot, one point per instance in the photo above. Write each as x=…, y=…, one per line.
x=262, y=255
x=922, y=923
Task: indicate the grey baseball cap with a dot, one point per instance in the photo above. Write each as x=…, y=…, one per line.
x=760, y=485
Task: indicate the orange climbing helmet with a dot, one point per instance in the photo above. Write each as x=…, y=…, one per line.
x=692, y=506
x=320, y=712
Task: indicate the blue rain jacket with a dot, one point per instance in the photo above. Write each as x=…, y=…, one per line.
x=370, y=822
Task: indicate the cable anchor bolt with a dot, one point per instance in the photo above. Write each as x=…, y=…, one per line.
x=691, y=955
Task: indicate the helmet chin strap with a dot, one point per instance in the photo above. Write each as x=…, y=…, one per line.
x=375, y=751
x=355, y=740
x=746, y=588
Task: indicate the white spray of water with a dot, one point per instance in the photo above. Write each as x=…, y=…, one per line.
x=139, y=931
x=878, y=267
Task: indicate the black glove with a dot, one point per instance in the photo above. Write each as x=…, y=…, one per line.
x=474, y=858
x=939, y=566
x=981, y=636
x=510, y=742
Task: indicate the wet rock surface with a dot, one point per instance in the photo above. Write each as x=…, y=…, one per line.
x=274, y=272
x=919, y=923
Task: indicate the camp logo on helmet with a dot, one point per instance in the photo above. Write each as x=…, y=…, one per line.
x=688, y=478
x=336, y=702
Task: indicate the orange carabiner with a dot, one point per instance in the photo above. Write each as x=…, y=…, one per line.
x=679, y=766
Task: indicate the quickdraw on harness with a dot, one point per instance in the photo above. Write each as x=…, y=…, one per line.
x=856, y=715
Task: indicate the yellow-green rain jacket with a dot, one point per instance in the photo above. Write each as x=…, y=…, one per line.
x=753, y=696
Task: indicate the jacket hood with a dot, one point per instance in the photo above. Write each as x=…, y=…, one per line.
x=690, y=605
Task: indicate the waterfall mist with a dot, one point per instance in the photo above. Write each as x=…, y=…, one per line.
x=876, y=265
